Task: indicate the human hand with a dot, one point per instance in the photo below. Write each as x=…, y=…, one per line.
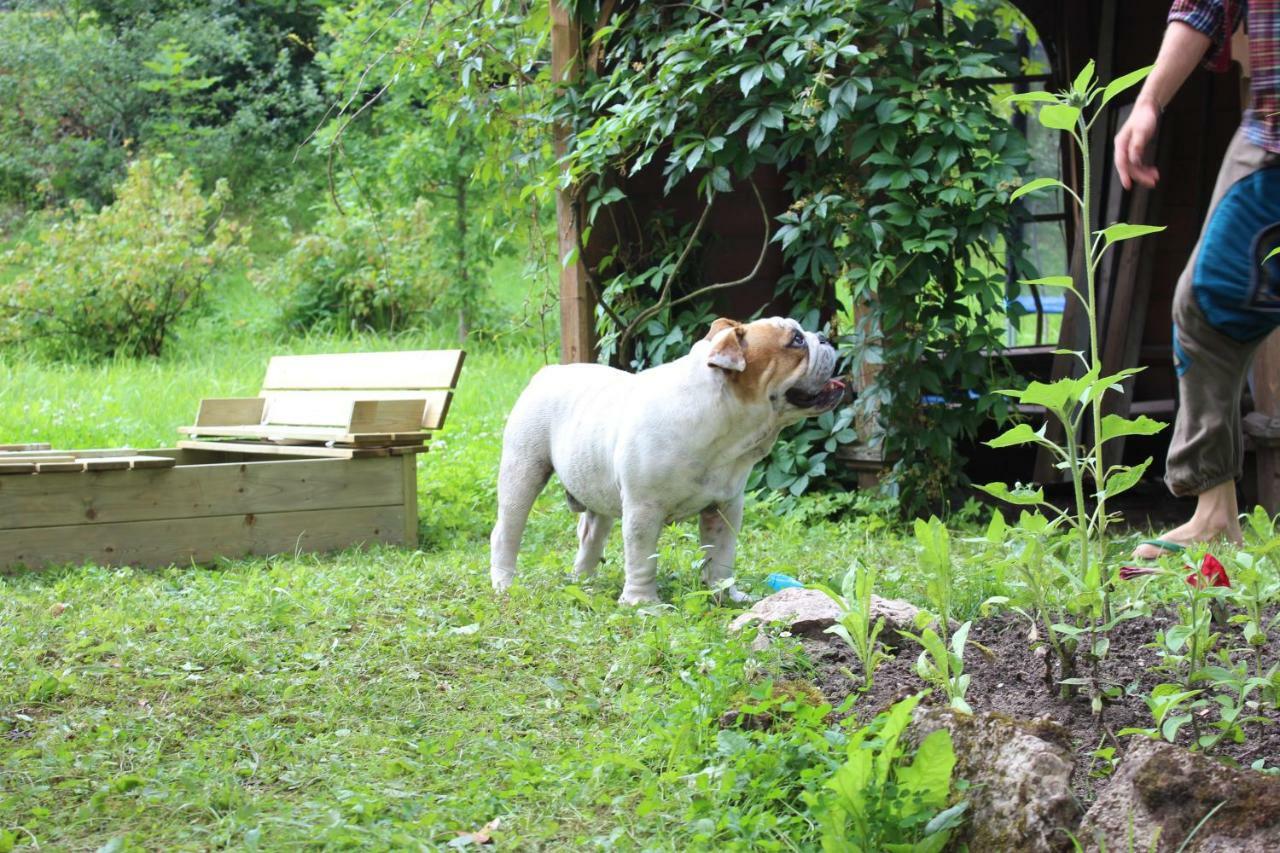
x=1132, y=143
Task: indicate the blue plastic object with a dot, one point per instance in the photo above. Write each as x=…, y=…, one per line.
x=778, y=581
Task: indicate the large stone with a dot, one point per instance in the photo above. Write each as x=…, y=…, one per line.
x=1019, y=775
x=809, y=612
x=1161, y=792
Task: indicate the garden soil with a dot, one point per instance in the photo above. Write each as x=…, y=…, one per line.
x=1009, y=678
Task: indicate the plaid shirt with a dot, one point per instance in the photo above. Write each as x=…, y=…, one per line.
x=1218, y=19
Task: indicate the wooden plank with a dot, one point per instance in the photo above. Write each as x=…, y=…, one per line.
x=433, y=415
x=402, y=451
x=284, y=450
x=577, y=305
x=409, y=492
x=364, y=370
x=54, y=466
x=306, y=408
x=39, y=457
x=229, y=411
x=49, y=455
x=348, y=411
x=17, y=467
x=261, y=486
x=202, y=539
x=151, y=461
x=268, y=432
x=387, y=415
x=35, y=445
x=107, y=463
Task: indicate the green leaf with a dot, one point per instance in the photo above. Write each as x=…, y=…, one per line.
x=1118, y=85
x=1032, y=98
x=1021, y=497
x=1122, y=478
x=1125, y=231
x=1083, y=79
x=947, y=818
x=928, y=777
x=1037, y=184
x=1059, y=116
x=1114, y=426
x=750, y=78
x=1019, y=434
x=1065, y=281
x=1274, y=252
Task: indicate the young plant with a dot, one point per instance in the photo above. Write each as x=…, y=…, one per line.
x=877, y=801
x=856, y=626
x=1076, y=403
x=942, y=666
x=935, y=562
x=1171, y=708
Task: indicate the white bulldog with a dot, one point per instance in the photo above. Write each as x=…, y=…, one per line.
x=659, y=446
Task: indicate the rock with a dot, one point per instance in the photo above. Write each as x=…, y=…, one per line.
x=809, y=612
x=1019, y=775
x=1161, y=792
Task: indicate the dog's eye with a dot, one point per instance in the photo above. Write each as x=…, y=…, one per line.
x=797, y=340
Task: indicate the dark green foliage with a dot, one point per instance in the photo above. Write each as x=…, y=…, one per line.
x=898, y=174
x=230, y=87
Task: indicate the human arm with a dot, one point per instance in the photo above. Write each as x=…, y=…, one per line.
x=1181, y=51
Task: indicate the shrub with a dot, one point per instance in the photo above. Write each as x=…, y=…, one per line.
x=380, y=270
x=115, y=282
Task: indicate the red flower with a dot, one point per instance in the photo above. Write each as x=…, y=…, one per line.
x=1211, y=571
x=1128, y=573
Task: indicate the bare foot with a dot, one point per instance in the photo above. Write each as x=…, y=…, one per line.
x=1216, y=517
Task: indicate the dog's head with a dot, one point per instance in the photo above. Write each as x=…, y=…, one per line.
x=774, y=360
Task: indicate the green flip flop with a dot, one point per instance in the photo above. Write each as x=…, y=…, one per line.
x=1164, y=545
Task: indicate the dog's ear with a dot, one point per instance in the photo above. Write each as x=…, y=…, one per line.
x=726, y=346
x=719, y=325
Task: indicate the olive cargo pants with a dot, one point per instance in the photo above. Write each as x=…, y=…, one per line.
x=1225, y=305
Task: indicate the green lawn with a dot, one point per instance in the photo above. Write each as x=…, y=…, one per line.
x=383, y=698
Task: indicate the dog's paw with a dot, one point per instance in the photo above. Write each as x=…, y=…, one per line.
x=737, y=596
x=634, y=597
x=501, y=583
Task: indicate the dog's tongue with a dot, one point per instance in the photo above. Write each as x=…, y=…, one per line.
x=833, y=385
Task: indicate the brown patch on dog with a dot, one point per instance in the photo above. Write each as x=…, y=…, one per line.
x=770, y=362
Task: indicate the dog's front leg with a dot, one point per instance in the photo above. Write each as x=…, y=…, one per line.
x=718, y=528
x=641, y=526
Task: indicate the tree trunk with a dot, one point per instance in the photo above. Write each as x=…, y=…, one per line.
x=464, y=278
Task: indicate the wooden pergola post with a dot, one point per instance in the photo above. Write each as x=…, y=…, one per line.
x=577, y=308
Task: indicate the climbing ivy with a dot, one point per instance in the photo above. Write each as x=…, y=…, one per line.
x=898, y=168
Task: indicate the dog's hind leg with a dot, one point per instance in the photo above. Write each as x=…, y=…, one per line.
x=522, y=476
x=593, y=534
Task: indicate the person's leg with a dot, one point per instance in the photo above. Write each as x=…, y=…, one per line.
x=1214, y=342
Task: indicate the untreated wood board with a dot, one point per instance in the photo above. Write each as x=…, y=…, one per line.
x=34, y=445
x=291, y=450
x=432, y=414
x=287, y=433
x=54, y=466
x=203, y=539
x=364, y=370
x=188, y=491
x=229, y=411
x=17, y=467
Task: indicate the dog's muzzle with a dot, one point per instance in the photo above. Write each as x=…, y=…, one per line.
x=817, y=389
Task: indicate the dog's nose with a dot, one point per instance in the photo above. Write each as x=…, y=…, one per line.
x=822, y=339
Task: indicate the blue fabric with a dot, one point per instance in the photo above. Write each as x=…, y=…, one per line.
x=1181, y=364
x=1226, y=269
